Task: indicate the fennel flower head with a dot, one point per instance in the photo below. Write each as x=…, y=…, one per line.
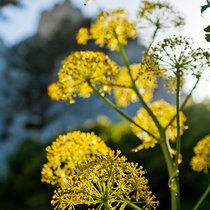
x=145, y=82
x=164, y=112
x=106, y=182
x=107, y=26
x=80, y=70
x=201, y=160
x=179, y=54
x=67, y=152
x=160, y=15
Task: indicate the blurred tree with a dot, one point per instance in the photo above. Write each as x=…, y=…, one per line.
x=4, y=3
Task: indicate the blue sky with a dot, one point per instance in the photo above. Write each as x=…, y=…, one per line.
x=22, y=23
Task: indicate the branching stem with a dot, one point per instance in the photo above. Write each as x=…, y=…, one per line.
x=125, y=59
x=132, y=205
x=119, y=111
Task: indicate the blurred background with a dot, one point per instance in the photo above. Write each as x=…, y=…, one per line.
x=35, y=36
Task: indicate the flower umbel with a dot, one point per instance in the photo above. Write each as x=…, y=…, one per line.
x=201, y=160
x=67, y=152
x=178, y=53
x=104, y=29
x=106, y=181
x=164, y=112
x=159, y=14
x=78, y=71
x=145, y=82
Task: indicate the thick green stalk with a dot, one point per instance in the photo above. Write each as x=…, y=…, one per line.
x=202, y=197
x=178, y=140
x=107, y=206
x=169, y=162
x=119, y=111
x=176, y=192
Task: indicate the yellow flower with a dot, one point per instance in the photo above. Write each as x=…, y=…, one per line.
x=82, y=36
x=55, y=92
x=104, y=29
x=158, y=15
x=145, y=82
x=79, y=70
x=67, y=152
x=164, y=112
x=106, y=181
x=201, y=160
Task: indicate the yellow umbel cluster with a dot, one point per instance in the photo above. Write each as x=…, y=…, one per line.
x=106, y=27
x=164, y=113
x=201, y=160
x=145, y=82
x=80, y=70
x=67, y=152
x=109, y=182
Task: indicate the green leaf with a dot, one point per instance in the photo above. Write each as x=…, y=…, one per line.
x=203, y=8
x=207, y=37
x=207, y=29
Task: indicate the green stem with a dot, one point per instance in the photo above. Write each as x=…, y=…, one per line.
x=178, y=140
x=169, y=162
x=175, y=179
x=125, y=59
x=119, y=111
x=202, y=198
x=107, y=206
x=132, y=205
x=166, y=153
x=153, y=39
x=175, y=199
x=183, y=104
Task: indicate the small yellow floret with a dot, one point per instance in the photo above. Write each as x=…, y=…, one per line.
x=164, y=112
x=55, y=91
x=201, y=160
x=82, y=36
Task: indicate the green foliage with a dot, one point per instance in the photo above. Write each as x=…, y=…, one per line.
x=23, y=187
x=207, y=29
x=203, y=8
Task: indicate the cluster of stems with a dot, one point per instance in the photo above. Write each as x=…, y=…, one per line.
x=171, y=163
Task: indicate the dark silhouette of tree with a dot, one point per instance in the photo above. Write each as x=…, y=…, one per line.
x=4, y=3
